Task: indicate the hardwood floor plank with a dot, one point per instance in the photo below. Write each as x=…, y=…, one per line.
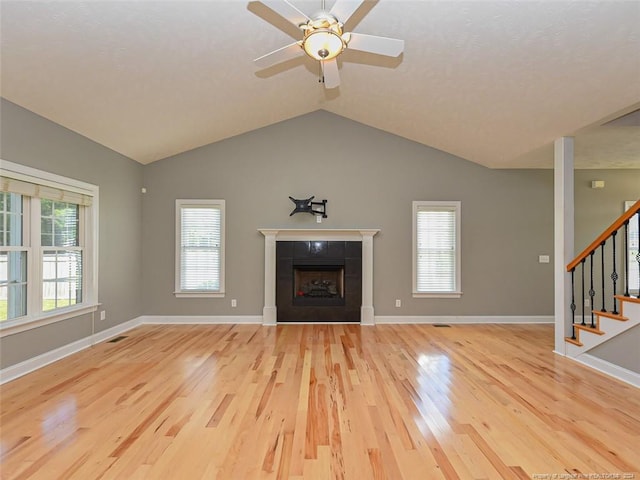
x=220, y=411
x=319, y=402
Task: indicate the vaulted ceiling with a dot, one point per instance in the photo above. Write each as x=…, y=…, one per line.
x=494, y=82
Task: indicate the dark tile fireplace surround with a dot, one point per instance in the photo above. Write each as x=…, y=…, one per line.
x=318, y=281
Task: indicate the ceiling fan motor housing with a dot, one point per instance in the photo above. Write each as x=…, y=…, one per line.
x=323, y=37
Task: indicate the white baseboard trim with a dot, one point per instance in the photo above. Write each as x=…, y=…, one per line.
x=407, y=319
x=14, y=371
x=608, y=368
x=201, y=319
x=18, y=370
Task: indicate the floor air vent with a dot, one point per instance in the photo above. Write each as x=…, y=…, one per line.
x=117, y=339
x=441, y=325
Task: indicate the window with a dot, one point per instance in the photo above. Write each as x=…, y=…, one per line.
x=199, y=248
x=48, y=257
x=13, y=257
x=436, y=249
x=633, y=245
x=62, y=254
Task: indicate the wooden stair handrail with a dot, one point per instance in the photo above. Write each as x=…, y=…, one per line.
x=605, y=235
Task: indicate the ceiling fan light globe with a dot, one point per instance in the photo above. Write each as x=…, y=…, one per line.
x=323, y=44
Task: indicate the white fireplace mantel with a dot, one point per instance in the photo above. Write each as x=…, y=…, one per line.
x=272, y=235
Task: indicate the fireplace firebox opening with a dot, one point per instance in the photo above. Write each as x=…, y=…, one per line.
x=318, y=282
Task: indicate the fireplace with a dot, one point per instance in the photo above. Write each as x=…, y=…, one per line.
x=318, y=281
x=273, y=236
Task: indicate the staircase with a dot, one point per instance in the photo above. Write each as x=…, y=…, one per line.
x=596, y=275
x=607, y=326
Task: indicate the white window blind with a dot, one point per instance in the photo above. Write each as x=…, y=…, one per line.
x=200, y=259
x=49, y=192
x=436, y=248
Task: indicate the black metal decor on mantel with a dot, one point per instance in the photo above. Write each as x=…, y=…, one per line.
x=306, y=206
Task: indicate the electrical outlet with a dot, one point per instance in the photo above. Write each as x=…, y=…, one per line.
x=543, y=258
x=234, y=303
x=103, y=315
x=587, y=303
x=398, y=303
x=318, y=218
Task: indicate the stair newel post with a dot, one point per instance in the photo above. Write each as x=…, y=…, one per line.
x=626, y=258
x=614, y=273
x=573, y=307
x=603, y=309
x=592, y=292
x=582, y=297
x=638, y=254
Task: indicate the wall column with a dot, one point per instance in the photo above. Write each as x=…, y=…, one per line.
x=563, y=187
x=269, y=311
x=366, y=311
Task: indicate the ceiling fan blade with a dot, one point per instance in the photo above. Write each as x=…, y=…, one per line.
x=282, y=54
x=287, y=10
x=391, y=47
x=330, y=73
x=343, y=9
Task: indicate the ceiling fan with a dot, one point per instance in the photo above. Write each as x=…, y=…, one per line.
x=323, y=38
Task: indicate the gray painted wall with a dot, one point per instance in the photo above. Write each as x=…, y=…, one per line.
x=622, y=350
x=595, y=210
x=31, y=140
x=370, y=179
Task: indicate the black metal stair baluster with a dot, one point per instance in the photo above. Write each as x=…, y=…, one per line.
x=626, y=258
x=573, y=308
x=582, y=292
x=614, y=274
x=592, y=292
x=603, y=309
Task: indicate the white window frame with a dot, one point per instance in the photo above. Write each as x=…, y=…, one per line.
x=199, y=203
x=81, y=247
x=35, y=317
x=455, y=206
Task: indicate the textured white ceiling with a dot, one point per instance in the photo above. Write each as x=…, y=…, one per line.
x=494, y=82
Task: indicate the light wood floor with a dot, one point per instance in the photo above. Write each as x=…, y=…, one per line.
x=320, y=402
